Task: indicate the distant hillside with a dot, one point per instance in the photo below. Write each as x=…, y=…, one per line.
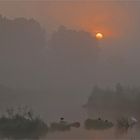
x=22, y=42
x=109, y=103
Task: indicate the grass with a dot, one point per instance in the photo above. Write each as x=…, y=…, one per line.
x=97, y=124
x=25, y=125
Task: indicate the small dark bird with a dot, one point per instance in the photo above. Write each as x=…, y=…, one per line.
x=99, y=119
x=61, y=118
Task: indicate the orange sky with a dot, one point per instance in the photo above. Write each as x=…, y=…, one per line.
x=112, y=19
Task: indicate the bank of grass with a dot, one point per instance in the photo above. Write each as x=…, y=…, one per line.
x=97, y=124
x=63, y=126
x=22, y=125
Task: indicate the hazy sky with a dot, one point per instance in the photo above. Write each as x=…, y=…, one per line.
x=111, y=18
x=118, y=60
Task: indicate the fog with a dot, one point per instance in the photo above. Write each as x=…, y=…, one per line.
x=51, y=60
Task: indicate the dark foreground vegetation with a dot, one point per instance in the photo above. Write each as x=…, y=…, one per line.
x=98, y=124
x=63, y=126
x=21, y=125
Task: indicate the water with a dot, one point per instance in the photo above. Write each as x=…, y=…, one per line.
x=82, y=134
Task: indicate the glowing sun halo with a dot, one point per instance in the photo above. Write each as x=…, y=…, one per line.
x=99, y=36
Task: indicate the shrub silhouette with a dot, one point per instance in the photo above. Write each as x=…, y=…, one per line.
x=22, y=126
x=59, y=127
x=97, y=124
x=63, y=125
x=123, y=123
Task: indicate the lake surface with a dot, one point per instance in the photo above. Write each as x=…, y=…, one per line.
x=82, y=134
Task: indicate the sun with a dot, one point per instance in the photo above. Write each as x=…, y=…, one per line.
x=99, y=36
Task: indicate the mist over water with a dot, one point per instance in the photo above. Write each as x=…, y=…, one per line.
x=52, y=62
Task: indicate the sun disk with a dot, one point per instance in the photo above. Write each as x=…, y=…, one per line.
x=99, y=36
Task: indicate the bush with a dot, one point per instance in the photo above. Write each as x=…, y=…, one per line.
x=16, y=125
x=123, y=123
x=97, y=124
x=63, y=126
